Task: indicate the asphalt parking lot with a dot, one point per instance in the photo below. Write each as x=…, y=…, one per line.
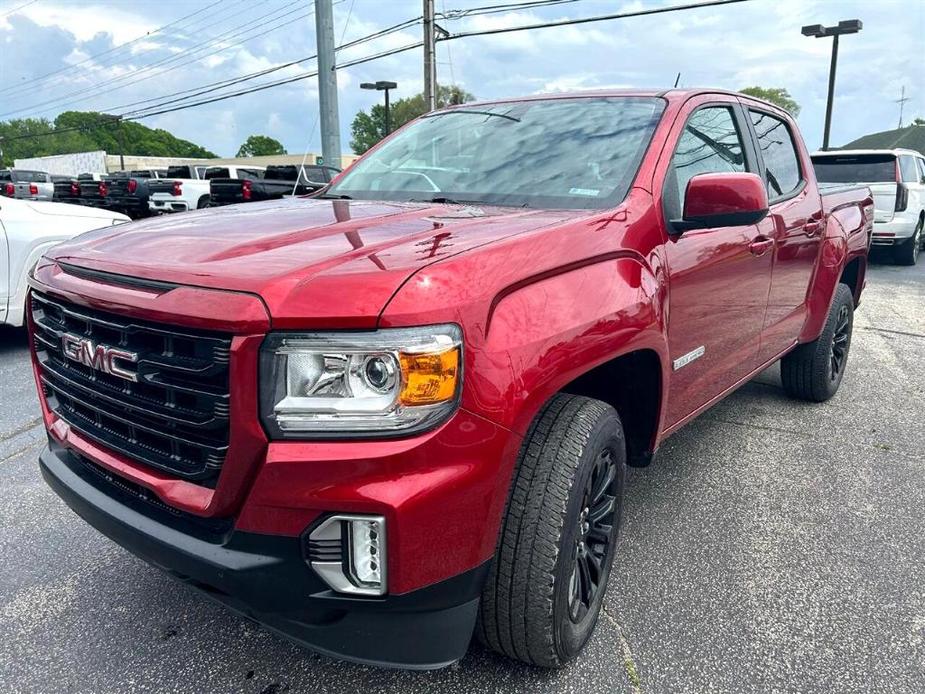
x=773, y=546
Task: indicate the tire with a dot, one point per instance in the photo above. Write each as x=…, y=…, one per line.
x=815, y=370
x=203, y=202
x=908, y=252
x=532, y=607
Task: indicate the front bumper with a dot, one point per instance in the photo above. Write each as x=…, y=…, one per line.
x=266, y=578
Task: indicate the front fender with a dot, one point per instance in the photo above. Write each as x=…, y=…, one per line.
x=546, y=331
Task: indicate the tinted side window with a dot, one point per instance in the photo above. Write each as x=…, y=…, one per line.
x=907, y=167
x=779, y=152
x=921, y=170
x=710, y=143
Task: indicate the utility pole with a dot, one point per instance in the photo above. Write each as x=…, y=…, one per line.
x=430, y=57
x=846, y=26
x=902, y=102
x=327, y=83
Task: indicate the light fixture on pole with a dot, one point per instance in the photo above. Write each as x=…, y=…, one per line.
x=846, y=26
x=382, y=86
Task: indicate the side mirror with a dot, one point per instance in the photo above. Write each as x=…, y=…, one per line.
x=723, y=200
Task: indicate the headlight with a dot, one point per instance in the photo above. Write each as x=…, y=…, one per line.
x=388, y=382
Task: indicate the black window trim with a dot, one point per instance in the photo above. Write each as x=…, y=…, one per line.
x=752, y=161
x=801, y=185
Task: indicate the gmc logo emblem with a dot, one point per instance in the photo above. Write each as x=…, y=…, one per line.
x=99, y=357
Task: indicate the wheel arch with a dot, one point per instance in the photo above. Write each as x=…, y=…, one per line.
x=633, y=384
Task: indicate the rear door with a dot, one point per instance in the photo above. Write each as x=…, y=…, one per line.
x=794, y=221
x=718, y=278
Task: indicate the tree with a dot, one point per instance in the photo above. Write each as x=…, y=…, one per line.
x=260, y=146
x=776, y=95
x=918, y=121
x=369, y=128
x=85, y=131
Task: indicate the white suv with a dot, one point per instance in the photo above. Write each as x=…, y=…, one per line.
x=896, y=177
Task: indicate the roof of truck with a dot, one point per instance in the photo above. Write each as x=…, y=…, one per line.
x=668, y=94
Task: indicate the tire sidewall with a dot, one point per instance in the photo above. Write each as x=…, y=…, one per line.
x=842, y=298
x=570, y=637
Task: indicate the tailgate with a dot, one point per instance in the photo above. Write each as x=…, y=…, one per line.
x=884, y=200
x=160, y=185
x=226, y=190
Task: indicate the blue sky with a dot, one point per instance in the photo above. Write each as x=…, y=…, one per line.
x=753, y=43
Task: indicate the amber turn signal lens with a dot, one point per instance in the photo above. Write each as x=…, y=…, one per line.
x=429, y=378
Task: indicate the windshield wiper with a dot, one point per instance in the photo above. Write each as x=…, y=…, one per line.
x=446, y=201
x=327, y=196
x=477, y=113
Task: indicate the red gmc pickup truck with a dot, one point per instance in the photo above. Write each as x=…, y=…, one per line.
x=386, y=417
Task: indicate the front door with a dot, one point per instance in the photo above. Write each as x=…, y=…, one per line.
x=795, y=223
x=718, y=278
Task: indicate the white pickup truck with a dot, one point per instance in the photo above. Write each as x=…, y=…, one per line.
x=28, y=228
x=26, y=185
x=187, y=187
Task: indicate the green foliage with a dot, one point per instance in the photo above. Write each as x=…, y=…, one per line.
x=776, y=95
x=97, y=131
x=369, y=128
x=260, y=146
x=918, y=121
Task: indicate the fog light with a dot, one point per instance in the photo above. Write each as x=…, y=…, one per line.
x=349, y=553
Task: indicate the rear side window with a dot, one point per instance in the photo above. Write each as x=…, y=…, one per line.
x=315, y=174
x=908, y=169
x=855, y=168
x=710, y=143
x=779, y=152
x=248, y=174
x=921, y=170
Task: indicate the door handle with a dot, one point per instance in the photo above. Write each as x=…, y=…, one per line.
x=760, y=246
x=812, y=228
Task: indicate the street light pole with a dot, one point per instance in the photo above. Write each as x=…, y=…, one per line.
x=831, y=96
x=388, y=122
x=846, y=26
x=383, y=86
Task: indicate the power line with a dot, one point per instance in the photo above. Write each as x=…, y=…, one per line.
x=185, y=57
x=215, y=86
x=24, y=85
x=506, y=7
x=270, y=85
x=17, y=9
x=157, y=110
x=586, y=20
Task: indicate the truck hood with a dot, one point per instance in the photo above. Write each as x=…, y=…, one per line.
x=61, y=209
x=315, y=263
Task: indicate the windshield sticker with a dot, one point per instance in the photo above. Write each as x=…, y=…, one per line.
x=590, y=192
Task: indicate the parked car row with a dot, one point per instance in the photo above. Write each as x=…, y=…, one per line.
x=146, y=192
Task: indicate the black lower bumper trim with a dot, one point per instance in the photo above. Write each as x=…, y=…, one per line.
x=265, y=578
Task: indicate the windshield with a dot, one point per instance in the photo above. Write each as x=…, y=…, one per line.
x=855, y=168
x=554, y=153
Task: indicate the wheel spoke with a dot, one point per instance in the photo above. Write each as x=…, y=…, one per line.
x=587, y=585
x=604, y=477
x=601, y=509
x=600, y=533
